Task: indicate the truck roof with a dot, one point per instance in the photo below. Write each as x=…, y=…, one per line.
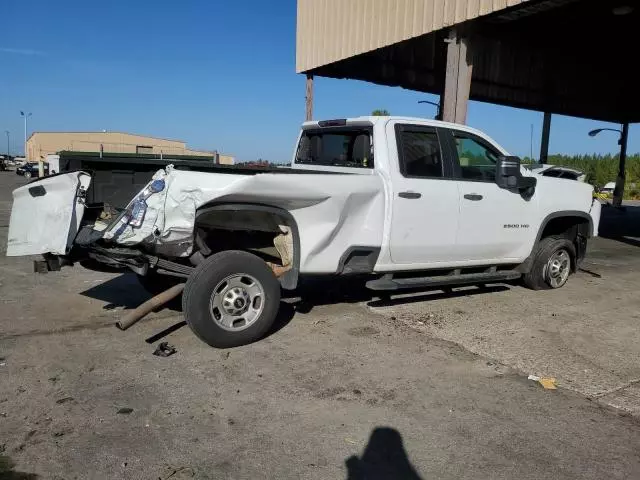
x=371, y=119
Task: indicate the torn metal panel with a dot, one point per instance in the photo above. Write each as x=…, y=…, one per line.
x=332, y=211
x=46, y=214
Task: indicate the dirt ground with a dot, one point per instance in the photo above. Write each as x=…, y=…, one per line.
x=428, y=385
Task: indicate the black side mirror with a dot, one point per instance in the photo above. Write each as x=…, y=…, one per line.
x=509, y=175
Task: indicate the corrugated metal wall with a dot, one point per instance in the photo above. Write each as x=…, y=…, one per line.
x=332, y=30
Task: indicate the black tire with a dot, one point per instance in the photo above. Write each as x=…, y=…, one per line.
x=539, y=276
x=154, y=283
x=206, y=313
x=27, y=174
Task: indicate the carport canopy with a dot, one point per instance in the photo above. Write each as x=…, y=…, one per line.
x=571, y=57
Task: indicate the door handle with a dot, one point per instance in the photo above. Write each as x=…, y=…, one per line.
x=410, y=195
x=474, y=197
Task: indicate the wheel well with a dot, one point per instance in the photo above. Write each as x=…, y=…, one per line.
x=569, y=227
x=270, y=233
x=573, y=226
x=577, y=229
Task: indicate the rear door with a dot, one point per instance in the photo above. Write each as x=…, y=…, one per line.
x=495, y=223
x=425, y=198
x=46, y=214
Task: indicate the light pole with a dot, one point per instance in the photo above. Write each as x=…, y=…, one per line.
x=8, y=133
x=26, y=117
x=618, y=192
x=437, y=105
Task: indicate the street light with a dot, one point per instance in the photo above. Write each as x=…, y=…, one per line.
x=26, y=116
x=437, y=105
x=618, y=192
x=8, y=133
x=595, y=132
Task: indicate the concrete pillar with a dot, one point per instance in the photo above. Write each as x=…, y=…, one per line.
x=457, y=83
x=544, y=141
x=309, y=99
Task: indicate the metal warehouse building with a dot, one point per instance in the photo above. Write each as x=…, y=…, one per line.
x=40, y=144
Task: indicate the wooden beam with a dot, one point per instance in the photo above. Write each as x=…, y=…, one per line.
x=457, y=83
x=544, y=141
x=309, y=98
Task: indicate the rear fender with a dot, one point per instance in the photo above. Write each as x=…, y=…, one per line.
x=289, y=280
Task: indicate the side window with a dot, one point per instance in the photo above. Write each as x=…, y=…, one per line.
x=419, y=153
x=477, y=159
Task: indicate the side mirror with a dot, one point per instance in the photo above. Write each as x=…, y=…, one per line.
x=509, y=176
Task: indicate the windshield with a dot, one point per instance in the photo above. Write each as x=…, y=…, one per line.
x=343, y=147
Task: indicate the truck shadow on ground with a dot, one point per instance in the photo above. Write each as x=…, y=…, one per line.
x=121, y=291
x=125, y=292
x=384, y=457
x=621, y=225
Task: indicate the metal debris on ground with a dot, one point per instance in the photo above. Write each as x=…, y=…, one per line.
x=548, y=383
x=164, y=350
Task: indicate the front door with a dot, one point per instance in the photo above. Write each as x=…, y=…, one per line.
x=425, y=199
x=495, y=223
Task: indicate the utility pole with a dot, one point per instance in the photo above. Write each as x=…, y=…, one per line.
x=7, y=132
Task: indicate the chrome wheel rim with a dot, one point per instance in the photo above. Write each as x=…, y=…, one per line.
x=558, y=268
x=237, y=302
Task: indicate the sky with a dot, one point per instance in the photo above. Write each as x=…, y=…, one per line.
x=219, y=75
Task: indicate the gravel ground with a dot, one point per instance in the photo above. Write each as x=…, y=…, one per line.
x=346, y=386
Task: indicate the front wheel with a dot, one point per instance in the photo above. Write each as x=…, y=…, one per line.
x=27, y=174
x=231, y=299
x=552, y=264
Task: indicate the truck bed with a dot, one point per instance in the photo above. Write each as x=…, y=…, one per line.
x=117, y=178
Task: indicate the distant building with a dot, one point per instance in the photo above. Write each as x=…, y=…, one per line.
x=41, y=144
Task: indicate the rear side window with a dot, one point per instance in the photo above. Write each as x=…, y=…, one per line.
x=336, y=147
x=419, y=153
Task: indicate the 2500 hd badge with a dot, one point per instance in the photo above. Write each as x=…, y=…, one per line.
x=516, y=225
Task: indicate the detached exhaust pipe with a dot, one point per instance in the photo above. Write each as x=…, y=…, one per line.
x=147, y=307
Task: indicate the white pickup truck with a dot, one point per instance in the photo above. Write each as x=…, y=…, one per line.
x=401, y=202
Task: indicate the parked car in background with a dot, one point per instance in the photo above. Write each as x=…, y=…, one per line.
x=29, y=170
x=557, y=171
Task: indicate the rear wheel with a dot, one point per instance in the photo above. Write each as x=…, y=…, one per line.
x=231, y=299
x=552, y=264
x=27, y=174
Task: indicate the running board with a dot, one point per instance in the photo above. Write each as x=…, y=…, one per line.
x=387, y=282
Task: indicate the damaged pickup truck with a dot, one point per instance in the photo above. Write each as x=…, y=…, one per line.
x=401, y=203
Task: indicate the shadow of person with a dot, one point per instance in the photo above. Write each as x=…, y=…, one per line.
x=384, y=457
